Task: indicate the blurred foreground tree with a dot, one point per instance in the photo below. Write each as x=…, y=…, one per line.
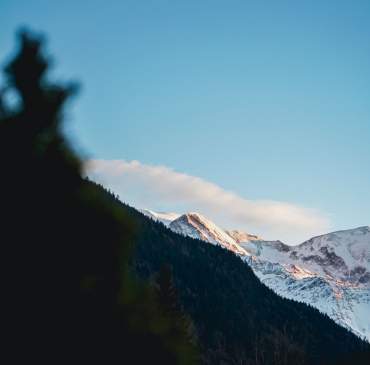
x=68, y=293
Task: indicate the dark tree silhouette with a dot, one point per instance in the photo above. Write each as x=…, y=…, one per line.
x=68, y=294
x=167, y=293
x=171, y=307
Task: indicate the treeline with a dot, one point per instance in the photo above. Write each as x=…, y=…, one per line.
x=237, y=319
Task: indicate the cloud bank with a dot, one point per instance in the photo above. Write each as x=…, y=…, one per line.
x=161, y=188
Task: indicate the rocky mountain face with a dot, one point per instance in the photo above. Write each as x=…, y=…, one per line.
x=196, y=226
x=330, y=272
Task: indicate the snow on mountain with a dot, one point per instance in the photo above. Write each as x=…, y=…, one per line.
x=347, y=305
x=240, y=236
x=196, y=226
x=165, y=218
x=330, y=272
x=342, y=255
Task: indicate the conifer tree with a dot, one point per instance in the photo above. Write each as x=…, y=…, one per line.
x=169, y=304
x=68, y=293
x=167, y=293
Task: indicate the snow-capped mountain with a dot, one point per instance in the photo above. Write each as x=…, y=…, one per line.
x=330, y=272
x=342, y=256
x=196, y=226
x=346, y=304
x=240, y=236
x=165, y=218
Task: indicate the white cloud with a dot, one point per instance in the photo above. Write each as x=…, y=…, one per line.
x=159, y=187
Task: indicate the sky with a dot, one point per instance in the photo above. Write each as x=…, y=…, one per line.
x=253, y=113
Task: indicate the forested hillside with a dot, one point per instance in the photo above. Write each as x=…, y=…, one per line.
x=237, y=319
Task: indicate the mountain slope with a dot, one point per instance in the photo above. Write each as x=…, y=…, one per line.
x=165, y=218
x=196, y=226
x=240, y=236
x=330, y=272
x=347, y=305
x=341, y=255
x=237, y=319
x=344, y=255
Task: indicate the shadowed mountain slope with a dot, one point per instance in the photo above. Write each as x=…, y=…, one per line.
x=237, y=319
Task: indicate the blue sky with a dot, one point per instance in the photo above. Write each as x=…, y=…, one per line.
x=266, y=99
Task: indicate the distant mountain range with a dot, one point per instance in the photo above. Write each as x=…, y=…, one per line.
x=330, y=272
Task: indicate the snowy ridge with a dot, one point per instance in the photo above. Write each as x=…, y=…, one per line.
x=347, y=305
x=330, y=272
x=344, y=255
x=165, y=218
x=240, y=236
x=196, y=226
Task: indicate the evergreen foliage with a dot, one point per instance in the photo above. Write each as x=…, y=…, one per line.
x=237, y=319
x=169, y=303
x=167, y=293
x=68, y=294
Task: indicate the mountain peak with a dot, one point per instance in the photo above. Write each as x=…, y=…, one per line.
x=343, y=254
x=330, y=272
x=341, y=234
x=197, y=226
x=164, y=217
x=241, y=236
